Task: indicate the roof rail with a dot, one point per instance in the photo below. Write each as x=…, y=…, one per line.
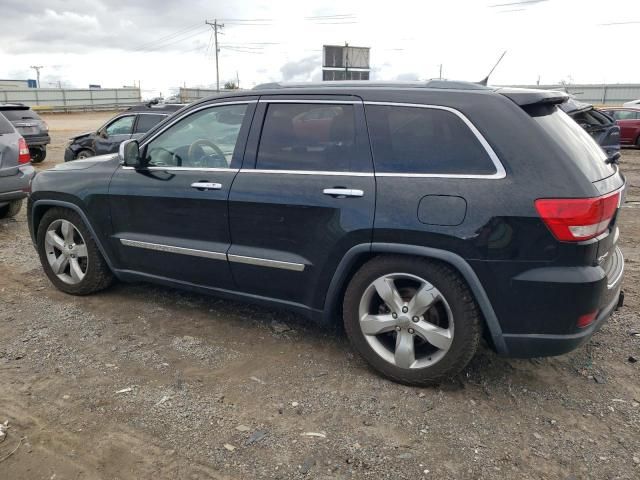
x=435, y=83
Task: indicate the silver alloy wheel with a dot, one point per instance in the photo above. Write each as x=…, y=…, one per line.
x=406, y=320
x=66, y=251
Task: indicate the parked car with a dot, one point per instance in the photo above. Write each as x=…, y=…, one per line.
x=422, y=217
x=632, y=103
x=28, y=124
x=602, y=127
x=628, y=120
x=16, y=170
x=131, y=123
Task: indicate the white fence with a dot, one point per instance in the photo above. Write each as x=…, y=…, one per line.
x=599, y=94
x=188, y=95
x=63, y=99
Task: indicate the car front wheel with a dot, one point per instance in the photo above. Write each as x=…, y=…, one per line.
x=414, y=320
x=69, y=255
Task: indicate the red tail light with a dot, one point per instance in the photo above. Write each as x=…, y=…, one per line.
x=586, y=319
x=23, y=152
x=577, y=219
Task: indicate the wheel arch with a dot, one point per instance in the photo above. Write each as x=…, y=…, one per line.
x=359, y=254
x=40, y=207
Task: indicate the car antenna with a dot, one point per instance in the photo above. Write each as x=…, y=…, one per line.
x=485, y=80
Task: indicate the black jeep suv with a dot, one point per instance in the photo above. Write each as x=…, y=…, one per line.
x=424, y=216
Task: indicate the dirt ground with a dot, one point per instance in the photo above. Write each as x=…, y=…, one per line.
x=148, y=382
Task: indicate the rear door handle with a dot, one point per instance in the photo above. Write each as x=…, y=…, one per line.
x=343, y=192
x=206, y=186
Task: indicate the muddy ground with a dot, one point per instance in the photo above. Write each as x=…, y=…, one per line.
x=148, y=382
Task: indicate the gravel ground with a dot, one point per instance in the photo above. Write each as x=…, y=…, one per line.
x=142, y=381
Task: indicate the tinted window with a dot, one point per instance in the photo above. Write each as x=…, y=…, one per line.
x=424, y=140
x=146, y=121
x=205, y=139
x=14, y=115
x=625, y=114
x=318, y=137
x=121, y=126
x=576, y=144
x=5, y=126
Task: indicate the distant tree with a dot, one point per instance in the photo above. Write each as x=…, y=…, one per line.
x=230, y=86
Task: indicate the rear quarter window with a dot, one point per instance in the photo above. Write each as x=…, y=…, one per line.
x=424, y=140
x=146, y=121
x=5, y=125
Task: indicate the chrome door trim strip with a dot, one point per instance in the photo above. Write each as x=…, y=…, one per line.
x=171, y=249
x=306, y=172
x=302, y=100
x=263, y=262
x=185, y=169
x=500, y=171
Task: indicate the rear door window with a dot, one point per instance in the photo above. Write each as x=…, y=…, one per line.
x=576, y=144
x=16, y=115
x=424, y=140
x=311, y=137
x=146, y=121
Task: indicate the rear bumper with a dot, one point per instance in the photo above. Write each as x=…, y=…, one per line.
x=16, y=186
x=576, y=291
x=37, y=140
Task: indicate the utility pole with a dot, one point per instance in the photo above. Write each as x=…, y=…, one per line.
x=440, y=71
x=346, y=61
x=37, y=69
x=216, y=26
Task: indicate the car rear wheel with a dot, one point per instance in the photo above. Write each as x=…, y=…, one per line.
x=638, y=141
x=38, y=154
x=414, y=320
x=69, y=255
x=11, y=209
x=84, y=154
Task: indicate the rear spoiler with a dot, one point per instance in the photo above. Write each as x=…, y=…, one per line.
x=525, y=96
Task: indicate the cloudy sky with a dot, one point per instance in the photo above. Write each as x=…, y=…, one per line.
x=165, y=43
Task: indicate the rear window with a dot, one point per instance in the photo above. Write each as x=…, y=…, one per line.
x=424, y=140
x=146, y=121
x=14, y=115
x=576, y=144
x=5, y=126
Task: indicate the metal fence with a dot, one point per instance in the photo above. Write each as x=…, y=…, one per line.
x=188, y=95
x=599, y=94
x=64, y=99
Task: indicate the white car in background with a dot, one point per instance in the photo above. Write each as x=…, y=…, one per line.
x=632, y=103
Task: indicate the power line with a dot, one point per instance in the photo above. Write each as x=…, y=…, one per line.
x=169, y=43
x=523, y=2
x=618, y=23
x=169, y=36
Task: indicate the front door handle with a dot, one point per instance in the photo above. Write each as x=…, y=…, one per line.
x=343, y=192
x=206, y=186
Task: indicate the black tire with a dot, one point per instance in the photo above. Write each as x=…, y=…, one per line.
x=638, y=141
x=11, y=210
x=84, y=154
x=38, y=154
x=465, y=316
x=98, y=275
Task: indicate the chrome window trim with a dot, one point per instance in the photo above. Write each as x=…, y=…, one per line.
x=262, y=262
x=171, y=249
x=306, y=172
x=302, y=100
x=185, y=169
x=500, y=171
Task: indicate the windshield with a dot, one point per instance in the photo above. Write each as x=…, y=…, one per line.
x=576, y=144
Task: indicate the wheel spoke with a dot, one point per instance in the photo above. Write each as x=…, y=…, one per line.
x=405, y=354
x=388, y=292
x=75, y=270
x=67, y=231
x=422, y=300
x=436, y=336
x=81, y=250
x=54, y=240
x=60, y=264
x=377, y=324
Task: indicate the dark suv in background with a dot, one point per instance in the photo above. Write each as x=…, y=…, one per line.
x=16, y=170
x=424, y=216
x=28, y=124
x=131, y=123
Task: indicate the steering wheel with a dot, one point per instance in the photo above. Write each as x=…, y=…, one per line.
x=197, y=145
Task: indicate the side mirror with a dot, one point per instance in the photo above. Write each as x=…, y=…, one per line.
x=130, y=153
